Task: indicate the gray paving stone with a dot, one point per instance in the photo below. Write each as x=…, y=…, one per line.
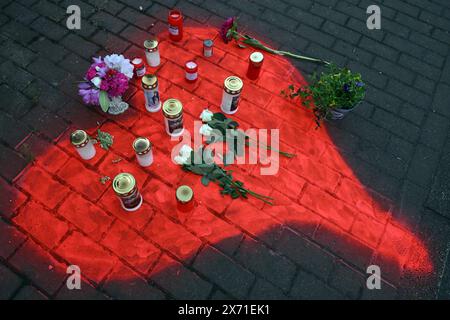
x=10, y=282
x=223, y=271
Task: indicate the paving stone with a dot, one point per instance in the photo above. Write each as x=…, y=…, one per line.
x=308, y=255
x=10, y=238
x=20, y=13
x=397, y=125
x=423, y=165
x=393, y=70
x=45, y=121
x=17, y=53
x=44, y=271
x=48, y=71
x=263, y=290
x=12, y=132
x=347, y=280
x=49, y=28
x=434, y=131
x=265, y=262
x=439, y=197
x=223, y=271
x=33, y=217
x=136, y=288
x=48, y=49
x=30, y=293
x=80, y=46
x=179, y=281
x=50, y=10
x=18, y=32
x=87, y=292
x=11, y=162
x=10, y=282
x=442, y=100
x=137, y=18
x=434, y=233
x=308, y=287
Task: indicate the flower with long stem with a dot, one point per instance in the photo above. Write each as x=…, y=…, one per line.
x=228, y=32
x=201, y=163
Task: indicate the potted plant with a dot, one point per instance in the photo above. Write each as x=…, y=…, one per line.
x=332, y=95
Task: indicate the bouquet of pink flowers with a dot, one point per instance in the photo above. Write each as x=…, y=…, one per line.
x=106, y=81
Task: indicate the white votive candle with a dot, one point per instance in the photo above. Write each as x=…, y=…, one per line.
x=83, y=144
x=144, y=153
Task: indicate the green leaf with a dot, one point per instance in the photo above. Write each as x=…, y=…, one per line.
x=104, y=100
x=219, y=116
x=205, y=181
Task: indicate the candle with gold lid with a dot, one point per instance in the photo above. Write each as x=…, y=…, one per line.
x=143, y=148
x=173, y=115
x=152, y=52
x=83, y=144
x=125, y=187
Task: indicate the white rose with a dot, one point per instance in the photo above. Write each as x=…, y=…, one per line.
x=206, y=115
x=185, y=151
x=206, y=130
x=180, y=160
x=96, y=81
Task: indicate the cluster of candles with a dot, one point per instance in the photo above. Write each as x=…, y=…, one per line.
x=124, y=184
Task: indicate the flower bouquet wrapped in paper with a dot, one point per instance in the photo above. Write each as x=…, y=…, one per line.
x=105, y=82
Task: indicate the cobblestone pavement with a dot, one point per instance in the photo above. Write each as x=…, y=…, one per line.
x=397, y=143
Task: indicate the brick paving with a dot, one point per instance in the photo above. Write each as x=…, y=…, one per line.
x=396, y=145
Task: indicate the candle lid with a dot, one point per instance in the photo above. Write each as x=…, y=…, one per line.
x=175, y=14
x=208, y=43
x=142, y=145
x=191, y=65
x=149, y=81
x=233, y=83
x=256, y=57
x=184, y=194
x=79, y=138
x=151, y=45
x=124, y=183
x=172, y=107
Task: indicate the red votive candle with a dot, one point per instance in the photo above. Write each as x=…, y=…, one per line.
x=175, y=25
x=191, y=69
x=185, y=198
x=139, y=67
x=254, y=65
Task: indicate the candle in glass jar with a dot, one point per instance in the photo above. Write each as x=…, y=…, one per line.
x=185, y=198
x=208, y=48
x=254, y=65
x=191, y=69
x=83, y=144
x=143, y=149
x=232, y=89
x=175, y=25
x=152, y=53
x=139, y=67
x=126, y=189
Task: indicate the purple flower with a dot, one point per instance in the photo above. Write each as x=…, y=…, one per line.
x=89, y=95
x=97, y=60
x=346, y=88
x=226, y=26
x=360, y=84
